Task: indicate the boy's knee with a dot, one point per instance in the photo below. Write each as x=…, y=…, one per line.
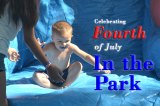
x=35, y=75
x=78, y=64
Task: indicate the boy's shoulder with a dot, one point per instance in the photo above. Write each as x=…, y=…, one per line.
x=73, y=46
x=49, y=46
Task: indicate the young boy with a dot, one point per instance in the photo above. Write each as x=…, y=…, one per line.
x=59, y=52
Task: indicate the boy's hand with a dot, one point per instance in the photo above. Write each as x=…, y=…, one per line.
x=105, y=71
x=41, y=43
x=13, y=55
x=55, y=73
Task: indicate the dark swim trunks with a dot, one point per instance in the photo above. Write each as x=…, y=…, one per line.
x=59, y=84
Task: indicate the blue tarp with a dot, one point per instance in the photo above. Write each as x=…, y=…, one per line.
x=22, y=91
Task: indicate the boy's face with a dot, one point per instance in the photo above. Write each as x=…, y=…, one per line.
x=61, y=41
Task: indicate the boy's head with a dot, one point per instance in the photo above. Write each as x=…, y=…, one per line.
x=61, y=34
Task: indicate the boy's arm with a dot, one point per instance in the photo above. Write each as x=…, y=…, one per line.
x=85, y=56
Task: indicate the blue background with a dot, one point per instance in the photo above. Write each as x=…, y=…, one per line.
x=21, y=90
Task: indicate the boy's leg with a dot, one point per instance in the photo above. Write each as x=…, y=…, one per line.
x=73, y=72
x=3, y=100
x=42, y=79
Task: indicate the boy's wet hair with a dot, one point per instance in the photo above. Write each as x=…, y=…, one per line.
x=61, y=27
